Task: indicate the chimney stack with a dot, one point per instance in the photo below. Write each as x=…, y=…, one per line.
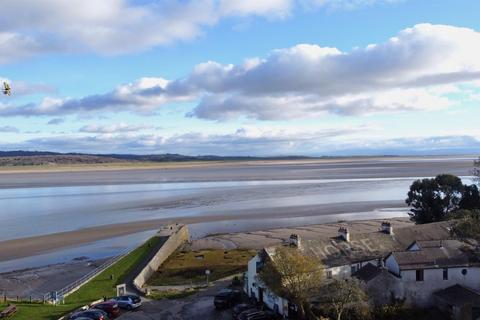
x=295, y=241
x=387, y=227
x=344, y=233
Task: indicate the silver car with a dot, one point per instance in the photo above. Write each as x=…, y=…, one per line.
x=128, y=302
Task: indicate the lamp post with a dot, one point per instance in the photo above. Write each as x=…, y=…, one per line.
x=207, y=272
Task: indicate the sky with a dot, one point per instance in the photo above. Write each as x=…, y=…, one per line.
x=241, y=77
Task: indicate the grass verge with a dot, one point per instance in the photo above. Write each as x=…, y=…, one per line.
x=172, y=294
x=101, y=285
x=189, y=267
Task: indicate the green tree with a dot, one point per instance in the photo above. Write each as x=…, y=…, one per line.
x=470, y=198
x=433, y=199
x=467, y=224
x=345, y=298
x=292, y=275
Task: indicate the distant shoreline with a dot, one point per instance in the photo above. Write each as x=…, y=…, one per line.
x=145, y=165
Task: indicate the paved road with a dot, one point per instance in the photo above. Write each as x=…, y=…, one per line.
x=198, y=306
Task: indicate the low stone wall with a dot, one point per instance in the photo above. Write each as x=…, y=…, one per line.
x=178, y=235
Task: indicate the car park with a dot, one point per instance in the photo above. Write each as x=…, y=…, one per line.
x=255, y=314
x=227, y=298
x=239, y=308
x=128, y=302
x=263, y=315
x=110, y=307
x=92, y=314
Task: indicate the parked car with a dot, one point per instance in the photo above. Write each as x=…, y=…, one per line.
x=245, y=315
x=128, y=302
x=110, y=307
x=263, y=315
x=92, y=314
x=239, y=308
x=257, y=315
x=227, y=298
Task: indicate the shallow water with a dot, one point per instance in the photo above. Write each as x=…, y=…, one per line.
x=26, y=212
x=36, y=211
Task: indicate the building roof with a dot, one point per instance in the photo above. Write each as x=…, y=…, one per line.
x=368, y=272
x=437, y=254
x=369, y=246
x=458, y=295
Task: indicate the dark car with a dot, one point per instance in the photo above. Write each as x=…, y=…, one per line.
x=248, y=313
x=257, y=315
x=263, y=315
x=110, y=307
x=245, y=312
x=94, y=314
x=128, y=302
x=239, y=308
x=227, y=298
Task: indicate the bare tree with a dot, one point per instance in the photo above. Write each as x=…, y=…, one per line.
x=294, y=276
x=340, y=297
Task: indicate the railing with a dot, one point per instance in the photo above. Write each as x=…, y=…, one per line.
x=74, y=286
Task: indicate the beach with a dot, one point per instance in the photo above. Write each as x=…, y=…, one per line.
x=73, y=208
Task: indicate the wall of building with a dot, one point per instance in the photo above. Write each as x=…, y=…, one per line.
x=384, y=288
x=392, y=265
x=253, y=286
x=420, y=292
x=345, y=271
x=178, y=236
x=252, y=277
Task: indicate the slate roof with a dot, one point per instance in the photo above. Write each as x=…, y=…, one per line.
x=458, y=295
x=437, y=254
x=368, y=272
x=370, y=246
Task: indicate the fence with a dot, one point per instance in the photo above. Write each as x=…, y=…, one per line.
x=34, y=298
x=74, y=286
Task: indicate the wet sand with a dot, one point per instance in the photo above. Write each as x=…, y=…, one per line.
x=152, y=214
x=25, y=247
x=349, y=168
x=35, y=282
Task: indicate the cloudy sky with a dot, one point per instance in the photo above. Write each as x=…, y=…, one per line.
x=241, y=77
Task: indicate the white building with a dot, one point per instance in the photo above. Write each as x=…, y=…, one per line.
x=382, y=262
x=429, y=266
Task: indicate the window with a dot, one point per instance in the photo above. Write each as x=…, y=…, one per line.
x=464, y=272
x=445, y=274
x=329, y=274
x=419, y=275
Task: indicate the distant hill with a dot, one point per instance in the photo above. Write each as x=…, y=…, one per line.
x=32, y=158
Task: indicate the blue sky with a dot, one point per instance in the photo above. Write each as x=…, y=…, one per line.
x=241, y=77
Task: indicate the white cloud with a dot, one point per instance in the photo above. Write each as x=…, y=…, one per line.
x=29, y=27
x=56, y=121
x=9, y=129
x=347, y=4
x=143, y=96
x=113, y=128
x=22, y=88
x=267, y=8
x=245, y=140
x=417, y=69
x=255, y=141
